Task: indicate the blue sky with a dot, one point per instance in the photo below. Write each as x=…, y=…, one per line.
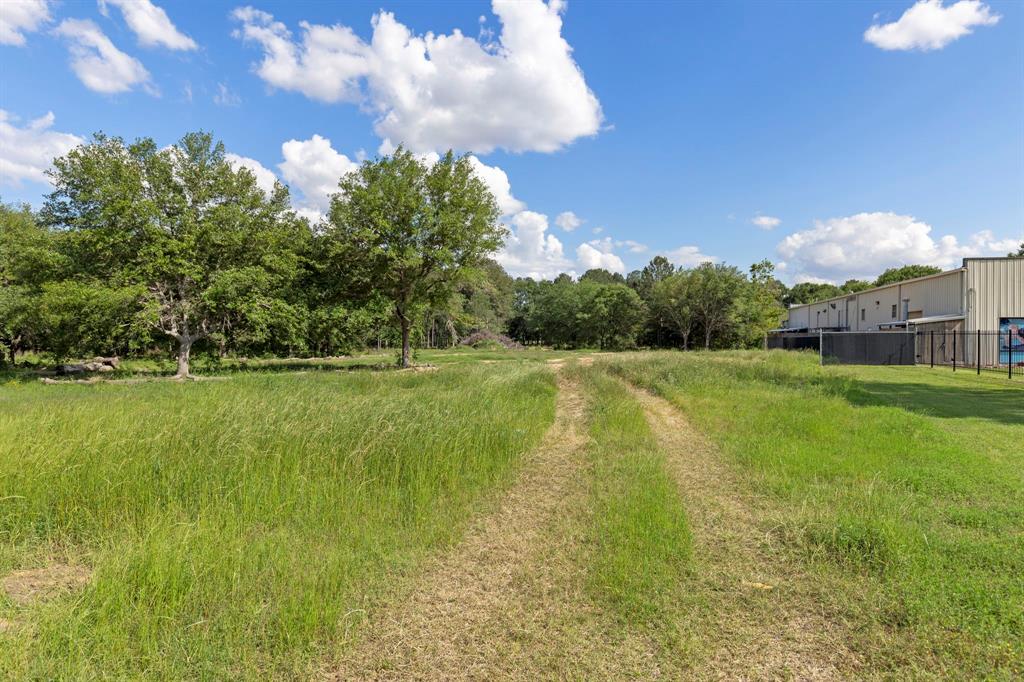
x=663, y=128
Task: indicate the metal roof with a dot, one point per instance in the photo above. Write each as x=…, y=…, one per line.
x=935, y=318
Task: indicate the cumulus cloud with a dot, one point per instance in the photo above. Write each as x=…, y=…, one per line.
x=497, y=181
x=927, y=25
x=598, y=253
x=530, y=251
x=432, y=92
x=568, y=221
x=765, y=222
x=314, y=167
x=150, y=24
x=689, y=257
x=265, y=177
x=19, y=17
x=863, y=245
x=27, y=152
x=98, y=63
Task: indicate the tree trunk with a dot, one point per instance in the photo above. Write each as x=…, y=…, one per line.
x=184, y=351
x=707, y=339
x=686, y=341
x=405, y=341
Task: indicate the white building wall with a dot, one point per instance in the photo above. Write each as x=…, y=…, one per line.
x=990, y=289
x=798, y=317
x=942, y=295
x=877, y=306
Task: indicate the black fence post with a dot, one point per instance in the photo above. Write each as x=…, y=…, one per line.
x=977, y=351
x=954, y=350
x=931, y=353
x=1009, y=353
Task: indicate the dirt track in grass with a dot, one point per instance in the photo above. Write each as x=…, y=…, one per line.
x=508, y=601
x=763, y=618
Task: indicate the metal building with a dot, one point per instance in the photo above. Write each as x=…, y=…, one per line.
x=983, y=294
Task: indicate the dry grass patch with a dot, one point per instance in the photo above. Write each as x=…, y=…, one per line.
x=32, y=585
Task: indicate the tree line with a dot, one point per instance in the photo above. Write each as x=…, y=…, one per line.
x=142, y=250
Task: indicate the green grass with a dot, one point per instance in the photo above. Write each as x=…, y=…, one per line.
x=638, y=530
x=238, y=528
x=244, y=527
x=902, y=486
x=31, y=364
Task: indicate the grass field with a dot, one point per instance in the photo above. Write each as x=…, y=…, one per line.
x=234, y=526
x=757, y=516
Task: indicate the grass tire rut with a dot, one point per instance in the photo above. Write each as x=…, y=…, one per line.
x=765, y=622
x=507, y=602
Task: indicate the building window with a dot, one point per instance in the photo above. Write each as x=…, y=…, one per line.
x=894, y=311
x=862, y=310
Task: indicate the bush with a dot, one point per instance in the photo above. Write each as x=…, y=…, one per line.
x=485, y=340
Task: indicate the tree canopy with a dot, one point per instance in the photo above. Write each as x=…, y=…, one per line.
x=201, y=246
x=412, y=232
x=901, y=274
x=140, y=250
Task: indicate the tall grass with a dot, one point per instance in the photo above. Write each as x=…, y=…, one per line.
x=238, y=528
x=638, y=527
x=906, y=482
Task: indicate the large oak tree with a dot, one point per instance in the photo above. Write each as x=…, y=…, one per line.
x=411, y=232
x=207, y=246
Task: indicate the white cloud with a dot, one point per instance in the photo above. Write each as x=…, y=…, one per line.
x=314, y=167
x=927, y=25
x=634, y=247
x=530, y=251
x=150, y=24
x=598, y=253
x=863, y=245
x=597, y=230
x=497, y=181
x=98, y=63
x=568, y=221
x=265, y=177
x=765, y=222
x=689, y=257
x=224, y=97
x=27, y=152
x=435, y=92
x=326, y=66
x=18, y=17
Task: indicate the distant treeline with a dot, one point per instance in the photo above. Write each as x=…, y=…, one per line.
x=141, y=250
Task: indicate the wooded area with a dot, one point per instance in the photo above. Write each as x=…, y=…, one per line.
x=140, y=250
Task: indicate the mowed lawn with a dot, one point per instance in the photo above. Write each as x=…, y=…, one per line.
x=237, y=528
x=902, y=488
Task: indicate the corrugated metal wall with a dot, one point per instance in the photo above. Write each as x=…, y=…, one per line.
x=877, y=307
x=995, y=289
x=798, y=317
x=936, y=296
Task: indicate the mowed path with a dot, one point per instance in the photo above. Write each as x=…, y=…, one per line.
x=508, y=602
x=765, y=621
